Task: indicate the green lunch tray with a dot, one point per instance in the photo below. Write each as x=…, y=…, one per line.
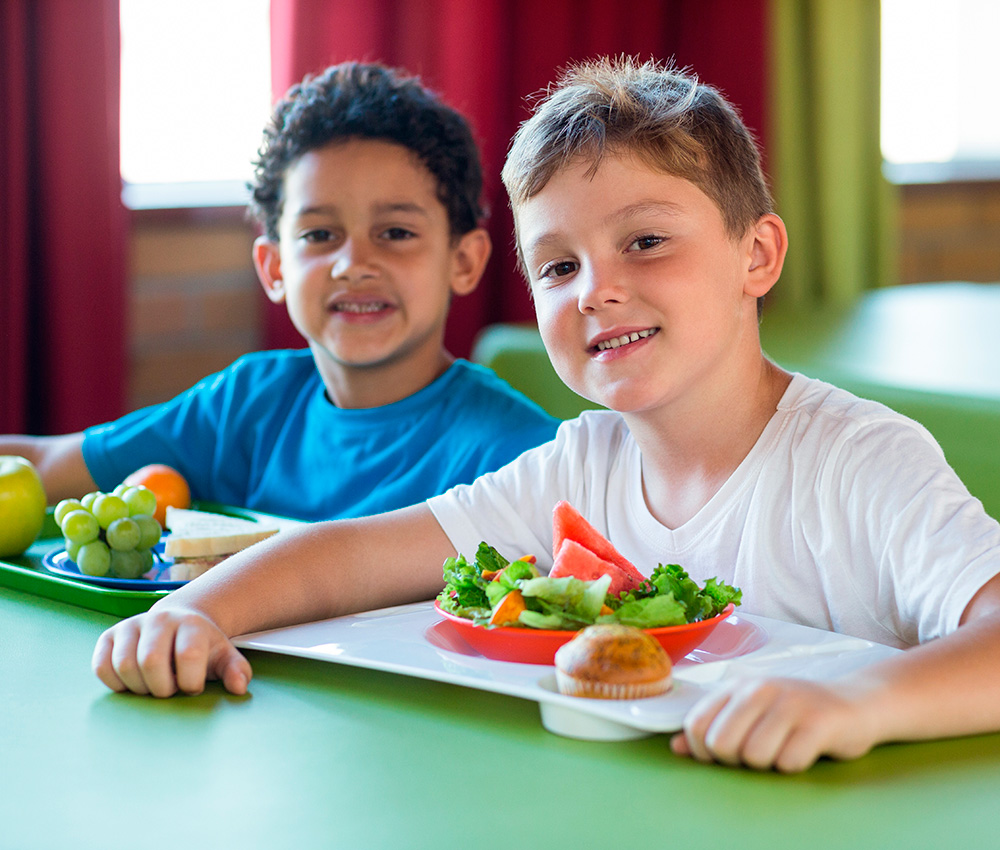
x=27, y=574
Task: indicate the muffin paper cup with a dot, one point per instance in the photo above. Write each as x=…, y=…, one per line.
x=605, y=690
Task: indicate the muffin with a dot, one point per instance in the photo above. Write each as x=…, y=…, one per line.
x=613, y=662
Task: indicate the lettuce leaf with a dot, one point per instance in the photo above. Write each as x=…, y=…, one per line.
x=671, y=579
x=651, y=612
x=465, y=588
x=489, y=559
x=562, y=603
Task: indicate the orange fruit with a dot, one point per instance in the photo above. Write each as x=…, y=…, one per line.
x=167, y=483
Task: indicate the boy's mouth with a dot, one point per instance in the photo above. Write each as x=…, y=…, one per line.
x=613, y=342
x=360, y=307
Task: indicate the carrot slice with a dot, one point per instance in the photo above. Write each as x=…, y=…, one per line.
x=508, y=610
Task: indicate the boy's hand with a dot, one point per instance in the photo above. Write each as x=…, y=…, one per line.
x=162, y=652
x=786, y=724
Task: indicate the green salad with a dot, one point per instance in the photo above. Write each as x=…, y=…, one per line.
x=492, y=591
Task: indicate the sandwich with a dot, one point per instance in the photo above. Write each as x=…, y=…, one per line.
x=199, y=540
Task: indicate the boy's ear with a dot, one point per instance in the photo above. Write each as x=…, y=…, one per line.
x=267, y=262
x=767, y=255
x=468, y=260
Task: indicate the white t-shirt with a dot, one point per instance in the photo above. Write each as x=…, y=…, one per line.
x=844, y=516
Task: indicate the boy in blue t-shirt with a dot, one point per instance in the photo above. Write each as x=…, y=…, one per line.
x=367, y=189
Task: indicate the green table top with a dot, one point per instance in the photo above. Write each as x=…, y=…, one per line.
x=322, y=755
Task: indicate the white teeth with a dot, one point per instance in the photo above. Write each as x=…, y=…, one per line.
x=619, y=341
x=367, y=307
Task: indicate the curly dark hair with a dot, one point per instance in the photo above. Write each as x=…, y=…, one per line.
x=356, y=100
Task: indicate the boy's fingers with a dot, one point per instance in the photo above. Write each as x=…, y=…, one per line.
x=679, y=745
x=803, y=746
x=697, y=724
x=201, y=652
x=155, y=656
x=723, y=725
x=101, y=664
x=161, y=653
x=735, y=724
x=234, y=671
x=124, y=660
x=190, y=658
x=780, y=724
x=767, y=740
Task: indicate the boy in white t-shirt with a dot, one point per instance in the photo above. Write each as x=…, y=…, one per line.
x=646, y=231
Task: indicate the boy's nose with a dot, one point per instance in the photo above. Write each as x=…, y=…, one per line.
x=598, y=288
x=352, y=263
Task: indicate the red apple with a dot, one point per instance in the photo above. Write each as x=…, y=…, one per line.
x=22, y=505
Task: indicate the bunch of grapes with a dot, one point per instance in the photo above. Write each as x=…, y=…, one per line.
x=111, y=534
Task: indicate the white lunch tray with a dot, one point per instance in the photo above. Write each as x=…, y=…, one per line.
x=415, y=641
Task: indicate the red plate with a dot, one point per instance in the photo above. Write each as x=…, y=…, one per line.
x=538, y=646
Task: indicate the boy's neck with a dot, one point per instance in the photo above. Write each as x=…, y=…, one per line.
x=360, y=387
x=687, y=456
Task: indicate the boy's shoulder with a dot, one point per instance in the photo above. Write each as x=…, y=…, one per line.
x=261, y=383
x=295, y=359
x=487, y=414
x=814, y=397
x=263, y=371
x=471, y=382
x=811, y=407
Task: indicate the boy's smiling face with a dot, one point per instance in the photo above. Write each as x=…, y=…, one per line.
x=642, y=297
x=366, y=264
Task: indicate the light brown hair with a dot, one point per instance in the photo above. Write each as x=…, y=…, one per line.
x=662, y=115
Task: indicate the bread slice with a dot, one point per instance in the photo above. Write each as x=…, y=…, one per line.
x=185, y=569
x=198, y=534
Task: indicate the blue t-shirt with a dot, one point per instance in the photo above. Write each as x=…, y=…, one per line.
x=262, y=434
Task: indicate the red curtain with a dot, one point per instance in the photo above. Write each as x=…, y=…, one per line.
x=62, y=225
x=486, y=57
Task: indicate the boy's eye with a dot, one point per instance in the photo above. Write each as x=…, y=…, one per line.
x=398, y=233
x=644, y=243
x=317, y=235
x=558, y=269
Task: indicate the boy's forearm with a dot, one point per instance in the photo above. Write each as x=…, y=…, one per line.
x=320, y=571
x=943, y=688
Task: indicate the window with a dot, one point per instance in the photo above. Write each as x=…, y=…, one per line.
x=195, y=96
x=940, y=89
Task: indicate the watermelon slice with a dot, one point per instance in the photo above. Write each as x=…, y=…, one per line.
x=577, y=561
x=568, y=525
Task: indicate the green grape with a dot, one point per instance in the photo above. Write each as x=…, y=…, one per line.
x=94, y=558
x=64, y=507
x=140, y=501
x=108, y=508
x=149, y=531
x=72, y=549
x=147, y=560
x=88, y=500
x=124, y=534
x=127, y=564
x=120, y=489
x=80, y=526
